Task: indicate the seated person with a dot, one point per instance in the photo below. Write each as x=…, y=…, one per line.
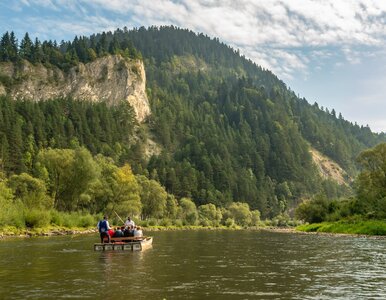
x=111, y=232
x=138, y=232
x=129, y=231
x=118, y=232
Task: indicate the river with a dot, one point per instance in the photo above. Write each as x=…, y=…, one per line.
x=197, y=265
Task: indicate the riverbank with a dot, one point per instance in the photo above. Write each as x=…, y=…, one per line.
x=57, y=231
x=341, y=228
x=10, y=231
x=358, y=227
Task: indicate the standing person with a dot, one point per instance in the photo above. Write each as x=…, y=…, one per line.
x=104, y=227
x=129, y=222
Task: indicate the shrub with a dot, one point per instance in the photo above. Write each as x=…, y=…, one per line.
x=188, y=211
x=314, y=210
x=166, y=222
x=86, y=221
x=57, y=218
x=152, y=222
x=143, y=223
x=35, y=218
x=178, y=223
x=229, y=222
x=240, y=213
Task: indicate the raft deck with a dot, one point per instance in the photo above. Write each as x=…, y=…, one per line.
x=125, y=244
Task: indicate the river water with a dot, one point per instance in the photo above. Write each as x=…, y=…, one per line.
x=197, y=265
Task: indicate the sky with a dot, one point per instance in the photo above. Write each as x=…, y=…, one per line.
x=327, y=51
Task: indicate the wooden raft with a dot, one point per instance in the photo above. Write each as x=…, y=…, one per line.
x=125, y=244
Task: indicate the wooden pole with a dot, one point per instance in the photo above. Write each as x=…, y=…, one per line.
x=119, y=217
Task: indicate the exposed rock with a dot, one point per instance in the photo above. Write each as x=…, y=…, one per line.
x=110, y=78
x=328, y=168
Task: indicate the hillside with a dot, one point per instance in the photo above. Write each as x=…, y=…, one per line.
x=110, y=79
x=227, y=130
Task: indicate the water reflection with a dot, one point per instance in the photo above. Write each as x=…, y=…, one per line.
x=197, y=265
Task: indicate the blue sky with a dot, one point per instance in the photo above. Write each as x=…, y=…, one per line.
x=331, y=52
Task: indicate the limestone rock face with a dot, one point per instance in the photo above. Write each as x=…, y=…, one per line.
x=110, y=79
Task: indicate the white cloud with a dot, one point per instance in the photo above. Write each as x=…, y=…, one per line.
x=246, y=24
x=293, y=38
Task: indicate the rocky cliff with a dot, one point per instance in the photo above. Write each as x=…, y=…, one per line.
x=111, y=79
x=329, y=169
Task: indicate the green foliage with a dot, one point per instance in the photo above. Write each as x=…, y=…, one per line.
x=36, y=218
x=171, y=209
x=31, y=191
x=255, y=218
x=68, y=54
x=73, y=219
x=240, y=213
x=27, y=127
x=228, y=130
x=209, y=215
x=71, y=173
x=370, y=201
x=369, y=227
x=371, y=182
x=188, y=211
x=11, y=210
x=229, y=222
x=153, y=198
x=125, y=192
x=314, y=210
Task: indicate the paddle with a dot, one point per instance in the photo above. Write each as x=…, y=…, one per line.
x=119, y=217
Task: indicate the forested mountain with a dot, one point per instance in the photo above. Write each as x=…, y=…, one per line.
x=228, y=129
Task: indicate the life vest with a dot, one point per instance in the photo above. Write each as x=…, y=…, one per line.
x=103, y=226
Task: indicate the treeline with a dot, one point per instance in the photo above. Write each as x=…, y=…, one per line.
x=369, y=201
x=334, y=136
x=235, y=128
x=27, y=127
x=66, y=54
x=229, y=130
x=64, y=182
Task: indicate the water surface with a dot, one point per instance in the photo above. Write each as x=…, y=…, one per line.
x=197, y=265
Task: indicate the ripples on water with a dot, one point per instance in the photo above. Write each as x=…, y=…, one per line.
x=197, y=265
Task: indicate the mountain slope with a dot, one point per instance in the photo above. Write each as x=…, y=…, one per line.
x=228, y=130
x=110, y=79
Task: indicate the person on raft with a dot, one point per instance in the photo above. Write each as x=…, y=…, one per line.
x=129, y=222
x=103, y=227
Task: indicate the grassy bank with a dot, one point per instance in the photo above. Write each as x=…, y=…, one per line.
x=368, y=227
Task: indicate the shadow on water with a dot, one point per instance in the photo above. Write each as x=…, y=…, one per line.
x=197, y=265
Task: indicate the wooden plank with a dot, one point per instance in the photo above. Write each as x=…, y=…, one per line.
x=127, y=239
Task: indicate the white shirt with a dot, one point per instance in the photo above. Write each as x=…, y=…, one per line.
x=129, y=223
x=138, y=233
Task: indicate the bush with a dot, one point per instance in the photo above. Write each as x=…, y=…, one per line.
x=178, y=223
x=281, y=220
x=188, y=211
x=229, y=222
x=152, y=222
x=37, y=218
x=70, y=220
x=86, y=221
x=13, y=216
x=57, y=218
x=143, y=223
x=205, y=223
x=314, y=210
x=240, y=213
x=166, y=222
